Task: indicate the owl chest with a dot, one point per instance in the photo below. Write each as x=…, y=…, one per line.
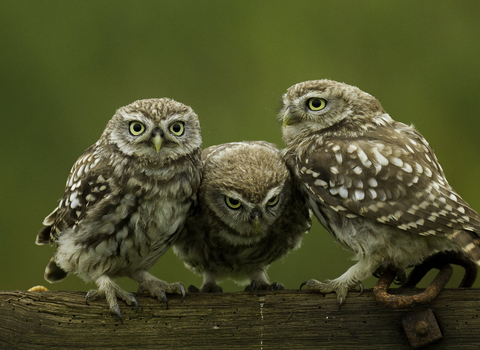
x=155, y=225
x=354, y=235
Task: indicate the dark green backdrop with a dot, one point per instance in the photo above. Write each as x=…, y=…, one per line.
x=65, y=66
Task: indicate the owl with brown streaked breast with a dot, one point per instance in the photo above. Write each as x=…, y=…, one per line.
x=126, y=201
x=374, y=183
x=249, y=214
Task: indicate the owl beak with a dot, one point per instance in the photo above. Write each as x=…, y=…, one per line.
x=157, y=142
x=288, y=119
x=255, y=217
x=256, y=224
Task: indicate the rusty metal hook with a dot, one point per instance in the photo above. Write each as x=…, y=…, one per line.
x=440, y=261
x=436, y=261
x=402, y=301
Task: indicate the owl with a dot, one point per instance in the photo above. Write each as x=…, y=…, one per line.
x=249, y=213
x=374, y=183
x=126, y=200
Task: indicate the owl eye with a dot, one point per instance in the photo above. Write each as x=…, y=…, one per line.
x=316, y=104
x=233, y=203
x=177, y=128
x=136, y=128
x=273, y=201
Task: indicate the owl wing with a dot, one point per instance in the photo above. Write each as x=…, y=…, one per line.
x=395, y=181
x=86, y=185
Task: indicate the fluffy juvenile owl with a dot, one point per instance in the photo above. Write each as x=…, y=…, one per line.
x=374, y=183
x=249, y=214
x=126, y=200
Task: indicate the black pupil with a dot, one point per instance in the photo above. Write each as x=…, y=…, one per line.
x=316, y=103
x=234, y=201
x=176, y=127
x=137, y=127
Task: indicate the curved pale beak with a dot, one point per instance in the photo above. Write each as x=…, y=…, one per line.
x=256, y=224
x=288, y=119
x=157, y=142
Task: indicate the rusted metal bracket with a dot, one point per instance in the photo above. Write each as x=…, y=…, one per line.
x=421, y=328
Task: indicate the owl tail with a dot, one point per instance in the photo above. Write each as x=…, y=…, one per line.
x=53, y=273
x=469, y=242
x=43, y=236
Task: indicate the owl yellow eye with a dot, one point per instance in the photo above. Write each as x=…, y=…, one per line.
x=273, y=201
x=316, y=104
x=177, y=128
x=233, y=203
x=136, y=128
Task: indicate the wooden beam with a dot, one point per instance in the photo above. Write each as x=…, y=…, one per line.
x=261, y=320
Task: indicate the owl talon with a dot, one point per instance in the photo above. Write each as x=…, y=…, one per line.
x=135, y=302
x=263, y=285
x=118, y=312
x=164, y=297
x=158, y=288
x=277, y=286
x=360, y=285
x=303, y=284
x=182, y=287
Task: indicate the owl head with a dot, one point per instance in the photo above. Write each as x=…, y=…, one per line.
x=319, y=105
x=155, y=130
x=245, y=185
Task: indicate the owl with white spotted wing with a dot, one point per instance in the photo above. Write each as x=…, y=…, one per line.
x=126, y=200
x=250, y=213
x=374, y=183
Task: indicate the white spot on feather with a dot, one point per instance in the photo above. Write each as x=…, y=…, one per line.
x=343, y=192
x=359, y=195
x=363, y=158
x=380, y=158
x=396, y=161
x=407, y=168
x=357, y=170
x=320, y=182
x=351, y=148
x=469, y=247
x=428, y=172
x=339, y=158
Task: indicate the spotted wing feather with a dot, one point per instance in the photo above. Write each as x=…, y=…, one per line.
x=395, y=180
x=86, y=185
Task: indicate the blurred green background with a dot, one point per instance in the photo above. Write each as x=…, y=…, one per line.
x=65, y=66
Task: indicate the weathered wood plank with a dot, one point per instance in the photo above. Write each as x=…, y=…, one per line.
x=261, y=320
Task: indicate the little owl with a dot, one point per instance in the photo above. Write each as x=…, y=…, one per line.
x=249, y=214
x=374, y=183
x=126, y=200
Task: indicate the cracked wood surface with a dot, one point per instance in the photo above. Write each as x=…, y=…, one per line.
x=260, y=320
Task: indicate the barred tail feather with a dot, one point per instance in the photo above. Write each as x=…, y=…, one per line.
x=43, y=236
x=53, y=273
x=469, y=242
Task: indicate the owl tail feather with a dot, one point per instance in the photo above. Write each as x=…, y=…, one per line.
x=53, y=273
x=469, y=242
x=43, y=236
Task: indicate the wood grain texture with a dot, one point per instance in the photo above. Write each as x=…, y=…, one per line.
x=261, y=320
